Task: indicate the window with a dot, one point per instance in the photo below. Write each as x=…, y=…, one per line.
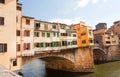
x=74, y=35
x=37, y=25
x=41, y=44
x=74, y=42
x=54, y=26
x=37, y=45
x=62, y=26
x=19, y=8
x=64, y=43
x=54, y=34
x=2, y=1
x=26, y=46
x=15, y=62
x=1, y=20
x=107, y=42
x=90, y=41
x=27, y=22
x=18, y=32
x=68, y=43
x=3, y=47
x=83, y=41
x=36, y=34
x=63, y=34
x=82, y=34
x=43, y=34
x=26, y=33
x=90, y=33
x=108, y=37
x=47, y=44
x=18, y=47
x=48, y=35
x=57, y=34
x=45, y=26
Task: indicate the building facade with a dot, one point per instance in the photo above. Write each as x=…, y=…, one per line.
x=8, y=33
x=105, y=37
x=84, y=35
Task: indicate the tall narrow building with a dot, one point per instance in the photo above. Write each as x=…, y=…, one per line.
x=8, y=33
x=85, y=36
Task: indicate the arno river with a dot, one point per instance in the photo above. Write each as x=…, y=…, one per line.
x=36, y=68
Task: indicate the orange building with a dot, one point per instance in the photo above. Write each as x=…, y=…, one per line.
x=84, y=35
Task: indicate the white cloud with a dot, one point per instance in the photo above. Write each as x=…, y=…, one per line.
x=68, y=21
x=82, y=3
x=95, y=1
x=105, y=1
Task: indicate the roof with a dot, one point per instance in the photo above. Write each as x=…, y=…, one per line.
x=19, y=4
x=28, y=17
x=43, y=21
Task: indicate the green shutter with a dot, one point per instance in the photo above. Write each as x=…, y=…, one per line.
x=34, y=44
x=48, y=34
x=35, y=34
x=57, y=34
x=54, y=34
x=41, y=45
x=52, y=44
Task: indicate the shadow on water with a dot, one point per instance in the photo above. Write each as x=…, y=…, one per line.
x=58, y=73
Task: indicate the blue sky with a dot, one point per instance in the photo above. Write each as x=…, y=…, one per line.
x=73, y=11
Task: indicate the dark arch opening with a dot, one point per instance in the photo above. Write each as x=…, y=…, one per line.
x=99, y=56
x=58, y=63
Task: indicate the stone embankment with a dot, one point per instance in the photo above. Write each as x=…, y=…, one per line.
x=4, y=72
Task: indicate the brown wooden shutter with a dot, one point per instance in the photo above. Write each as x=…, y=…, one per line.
x=18, y=47
x=28, y=33
x=5, y=47
x=29, y=46
x=1, y=20
x=24, y=46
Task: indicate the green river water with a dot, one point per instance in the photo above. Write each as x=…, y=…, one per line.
x=34, y=69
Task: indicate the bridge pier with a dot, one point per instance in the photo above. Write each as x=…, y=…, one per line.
x=84, y=60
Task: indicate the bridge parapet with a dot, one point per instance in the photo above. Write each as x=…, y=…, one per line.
x=28, y=53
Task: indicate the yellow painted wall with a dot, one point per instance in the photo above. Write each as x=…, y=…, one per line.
x=80, y=29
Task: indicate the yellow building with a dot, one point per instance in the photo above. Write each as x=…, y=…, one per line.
x=84, y=35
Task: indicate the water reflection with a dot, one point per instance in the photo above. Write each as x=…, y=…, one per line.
x=35, y=68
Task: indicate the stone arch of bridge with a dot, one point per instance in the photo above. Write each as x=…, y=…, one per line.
x=99, y=55
x=47, y=59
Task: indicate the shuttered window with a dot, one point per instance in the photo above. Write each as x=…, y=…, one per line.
x=3, y=47
x=48, y=35
x=27, y=22
x=36, y=34
x=18, y=32
x=18, y=47
x=2, y=1
x=26, y=46
x=27, y=33
x=2, y=21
